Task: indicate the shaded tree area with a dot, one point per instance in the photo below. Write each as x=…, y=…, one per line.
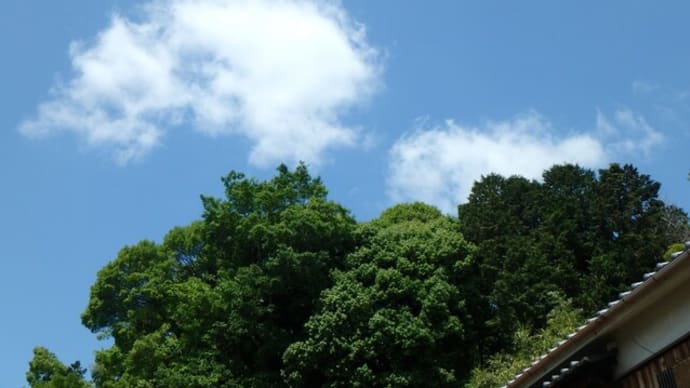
x=397, y=315
x=581, y=234
x=276, y=285
x=528, y=344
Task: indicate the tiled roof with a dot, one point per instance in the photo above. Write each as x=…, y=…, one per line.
x=599, y=316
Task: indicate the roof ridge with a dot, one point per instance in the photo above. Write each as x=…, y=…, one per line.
x=598, y=316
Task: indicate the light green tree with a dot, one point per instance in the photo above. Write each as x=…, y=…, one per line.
x=217, y=302
x=46, y=371
x=528, y=345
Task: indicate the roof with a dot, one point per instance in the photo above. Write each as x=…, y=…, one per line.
x=593, y=327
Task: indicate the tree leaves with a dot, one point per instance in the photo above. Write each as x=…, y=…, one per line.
x=218, y=302
x=577, y=233
x=46, y=371
x=390, y=318
x=277, y=285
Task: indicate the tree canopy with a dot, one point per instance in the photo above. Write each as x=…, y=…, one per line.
x=396, y=315
x=46, y=371
x=218, y=302
x=276, y=285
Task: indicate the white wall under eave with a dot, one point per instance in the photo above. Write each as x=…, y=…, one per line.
x=652, y=330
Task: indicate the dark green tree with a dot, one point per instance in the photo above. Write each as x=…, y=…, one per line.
x=630, y=233
x=396, y=316
x=498, y=218
x=583, y=235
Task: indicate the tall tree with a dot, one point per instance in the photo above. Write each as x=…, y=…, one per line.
x=584, y=235
x=396, y=316
x=498, y=218
x=630, y=236
x=218, y=302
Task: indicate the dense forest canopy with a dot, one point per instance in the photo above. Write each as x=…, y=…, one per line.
x=276, y=285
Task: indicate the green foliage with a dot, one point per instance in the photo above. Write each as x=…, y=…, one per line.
x=583, y=235
x=396, y=315
x=629, y=241
x=276, y=285
x=46, y=371
x=500, y=218
x=218, y=302
x=674, y=224
x=677, y=247
x=528, y=346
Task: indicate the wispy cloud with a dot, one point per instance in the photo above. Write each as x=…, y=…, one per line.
x=643, y=87
x=439, y=165
x=670, y=106
x=627, y=132
x=280, y=73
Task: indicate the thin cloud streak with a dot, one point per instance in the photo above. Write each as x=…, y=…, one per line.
x=627, y=132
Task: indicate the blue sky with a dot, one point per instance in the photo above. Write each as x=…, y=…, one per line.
x=116, y=115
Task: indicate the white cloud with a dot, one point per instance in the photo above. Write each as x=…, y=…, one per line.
x=628, y=132
x=643, y=87
x=279, y=72
x=439, y=165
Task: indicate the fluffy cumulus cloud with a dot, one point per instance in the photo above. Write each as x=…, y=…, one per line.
x=281, y=73
x=438, y=165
